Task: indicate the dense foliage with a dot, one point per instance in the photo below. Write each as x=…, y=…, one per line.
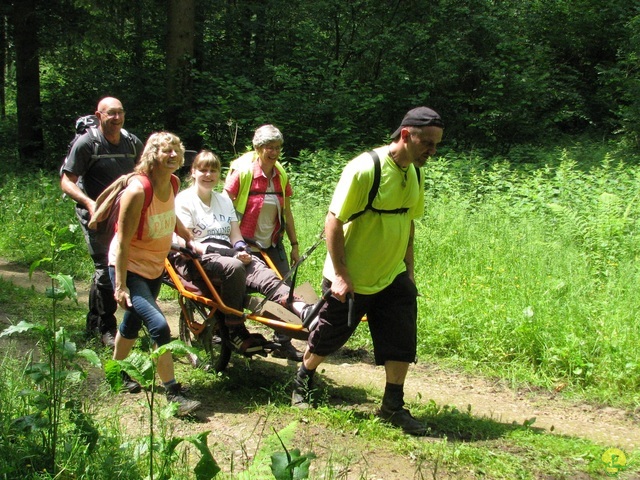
x=339, y=75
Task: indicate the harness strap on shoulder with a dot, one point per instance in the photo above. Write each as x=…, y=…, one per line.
x=148, y=198
x=93, y=133
x=374, y=190
x=374, y=187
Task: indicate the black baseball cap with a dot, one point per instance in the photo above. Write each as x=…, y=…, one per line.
x=420, y=117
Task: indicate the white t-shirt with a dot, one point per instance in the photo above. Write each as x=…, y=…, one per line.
x=206, y=222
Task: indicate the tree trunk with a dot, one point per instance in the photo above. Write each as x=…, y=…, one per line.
x=25, y=36
x=180, y=47
x=3, y=62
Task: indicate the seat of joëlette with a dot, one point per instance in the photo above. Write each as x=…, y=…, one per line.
x=197, y=286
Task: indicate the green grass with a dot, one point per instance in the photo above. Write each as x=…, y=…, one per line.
x=527, y=274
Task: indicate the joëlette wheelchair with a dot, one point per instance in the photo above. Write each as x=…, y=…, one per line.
x=202, y=315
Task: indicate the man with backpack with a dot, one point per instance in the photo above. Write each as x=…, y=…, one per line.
x=369, y=264
x=98, y=156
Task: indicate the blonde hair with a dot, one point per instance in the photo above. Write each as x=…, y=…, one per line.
x=154, y=144
x=205, y=159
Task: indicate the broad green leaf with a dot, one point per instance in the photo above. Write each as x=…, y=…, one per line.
x=90, y=356
x=20, y=328
x=66, y=286
x=176, y=347
x=206, y=467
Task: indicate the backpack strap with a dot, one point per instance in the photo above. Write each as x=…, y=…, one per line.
x=377, y=172
x=374, y=187
x=93, y=133
x=148, y=198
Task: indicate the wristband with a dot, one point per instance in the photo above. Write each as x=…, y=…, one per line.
x=294, y=244
x=240, y=245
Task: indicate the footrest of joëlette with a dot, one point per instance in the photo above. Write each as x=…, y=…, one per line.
x=284, y=321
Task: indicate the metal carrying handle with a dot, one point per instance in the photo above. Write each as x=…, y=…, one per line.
x=292, y=272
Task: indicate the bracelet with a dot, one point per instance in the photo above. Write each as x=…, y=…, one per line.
x=240, y=245
x=294, y=244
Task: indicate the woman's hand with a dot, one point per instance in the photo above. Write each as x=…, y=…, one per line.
x=244, y=257
x=123, y=298
x=295, y=254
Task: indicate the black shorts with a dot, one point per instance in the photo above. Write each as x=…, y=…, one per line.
x=391, y=315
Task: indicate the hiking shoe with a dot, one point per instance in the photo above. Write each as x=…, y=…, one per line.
x=301, y=397
x=109, y=338
x=288, y=351
x=175, y=394
x=403, y=419
x=129, y=384
x=246, y=343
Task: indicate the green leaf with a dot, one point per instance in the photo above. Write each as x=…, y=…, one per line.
x=290, y=465
x=90, y=356
x=66, y=287
x=176, y=347
x=36, y=264
x=55, y=293
x=206, y=467
x=29, y=423
x=140, y=367
x=66, y=246
x=20, y=328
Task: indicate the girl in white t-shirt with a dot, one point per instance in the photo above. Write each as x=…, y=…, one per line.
x=211, y=218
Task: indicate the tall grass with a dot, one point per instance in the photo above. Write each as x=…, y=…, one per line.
x=534, y=272
x=529, y=273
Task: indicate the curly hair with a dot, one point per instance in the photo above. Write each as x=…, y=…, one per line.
x=154, y=144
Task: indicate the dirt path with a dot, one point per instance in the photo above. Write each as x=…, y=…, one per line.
x=607, y=426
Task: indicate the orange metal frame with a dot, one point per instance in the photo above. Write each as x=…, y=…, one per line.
x=215, y=302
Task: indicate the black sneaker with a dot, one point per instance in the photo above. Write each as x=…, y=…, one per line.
x=301, y=396
x=244, y=342
x=129, y=384
x=402, y=418
x=288, y=351
x=175, y=394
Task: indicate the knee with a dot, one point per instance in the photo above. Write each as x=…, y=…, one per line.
x=161, y=334
x=237, y=271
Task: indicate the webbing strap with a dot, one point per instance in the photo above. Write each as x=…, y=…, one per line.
x=377, y=172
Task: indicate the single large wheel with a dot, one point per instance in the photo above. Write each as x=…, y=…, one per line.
x=213, y=338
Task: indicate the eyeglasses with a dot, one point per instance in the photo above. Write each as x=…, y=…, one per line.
x=272, y=147
x=113, y=113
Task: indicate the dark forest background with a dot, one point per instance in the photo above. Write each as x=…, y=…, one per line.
x=332, y=74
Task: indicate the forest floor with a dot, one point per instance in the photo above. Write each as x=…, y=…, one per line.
x=234, y=427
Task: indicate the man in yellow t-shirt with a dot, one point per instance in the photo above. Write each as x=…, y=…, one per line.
x=370, y=260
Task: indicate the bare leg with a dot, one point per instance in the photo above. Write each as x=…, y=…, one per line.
x=123, y=347
x=396, y=372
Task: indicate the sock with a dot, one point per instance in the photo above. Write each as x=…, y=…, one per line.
x=304, y=376
x=169, y=384
x=393, y=398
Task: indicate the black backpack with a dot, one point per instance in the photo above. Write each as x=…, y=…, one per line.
x=90, y=123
